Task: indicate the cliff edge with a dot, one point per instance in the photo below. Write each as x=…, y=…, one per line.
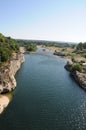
x=7, y=74
x=78, y=72
x=80, y=78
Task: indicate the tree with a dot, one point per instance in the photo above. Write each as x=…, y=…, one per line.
x=80, y=46
x=31, y=47
x=7, y=47
x=76, y=67
x=84, y=45
x=2, y=38
x=5, y=54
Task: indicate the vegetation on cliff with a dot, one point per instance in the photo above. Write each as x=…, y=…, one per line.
x=76, y=67
x=77, y=63
x=73, y=66
x=81, y=46
x=11, y=59
x=7, y=47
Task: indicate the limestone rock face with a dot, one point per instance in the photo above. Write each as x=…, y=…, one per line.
x=80, y=78
x=7, y=79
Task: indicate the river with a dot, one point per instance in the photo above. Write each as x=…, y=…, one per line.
x=46, y=97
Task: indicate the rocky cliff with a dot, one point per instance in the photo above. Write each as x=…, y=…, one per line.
x=7, y=74
x=80, y=78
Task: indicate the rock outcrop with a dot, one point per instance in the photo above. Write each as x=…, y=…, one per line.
x=68, y=65
x=7, y=74
x=80, y=78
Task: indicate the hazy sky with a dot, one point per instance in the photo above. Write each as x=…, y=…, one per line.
x=58, y=20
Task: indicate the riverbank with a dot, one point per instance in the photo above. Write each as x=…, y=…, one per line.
x=7, y=74
x=66, y=53
x=4, y=101
x=7, y=80
x=78, y=72
x=79, y=77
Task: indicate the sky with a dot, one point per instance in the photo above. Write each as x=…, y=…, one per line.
x=56, y=20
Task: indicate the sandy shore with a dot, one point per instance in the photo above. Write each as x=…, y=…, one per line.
x=4, y=101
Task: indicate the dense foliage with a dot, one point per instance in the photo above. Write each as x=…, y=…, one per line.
x=46, y=43
x=7, y=47
x=30, y=47
x=76, y=67
x=81, y=46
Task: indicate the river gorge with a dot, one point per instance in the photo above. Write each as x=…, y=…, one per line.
x=46, y=97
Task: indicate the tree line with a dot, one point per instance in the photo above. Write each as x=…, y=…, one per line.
x=81, y=46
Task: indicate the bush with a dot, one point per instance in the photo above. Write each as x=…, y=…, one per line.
x=13, y=45
x=31, y=47
x=80, y=46
x=5, y=54
x=76, y=67
x=7, y=47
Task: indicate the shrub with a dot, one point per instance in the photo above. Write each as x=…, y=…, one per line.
x=31, y=47
x=76, y=67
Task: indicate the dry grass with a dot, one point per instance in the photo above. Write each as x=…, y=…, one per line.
x=69, y=51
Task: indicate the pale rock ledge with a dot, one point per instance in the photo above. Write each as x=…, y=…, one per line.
x=7, y=79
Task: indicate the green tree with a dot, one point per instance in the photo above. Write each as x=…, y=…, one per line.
x=31, y=47
x=80, y=46
x=2, y=38
x=7, y=47
x=5, y=54
x=84, y=45
x=76, y=67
